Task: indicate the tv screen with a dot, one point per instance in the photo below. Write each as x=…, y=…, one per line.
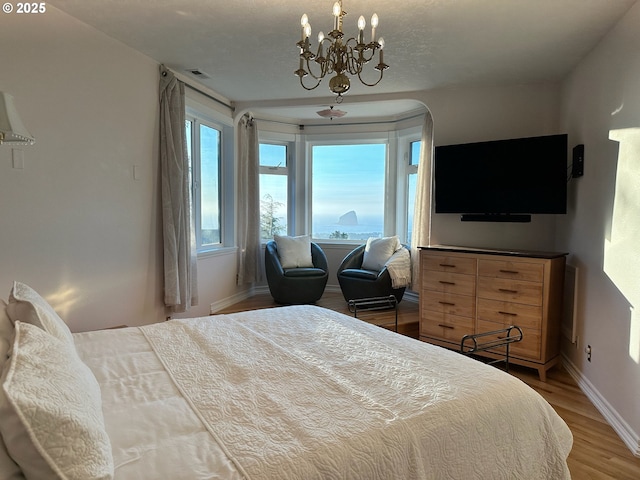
x=518, y=176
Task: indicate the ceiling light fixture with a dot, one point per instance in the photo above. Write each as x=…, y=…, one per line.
x=337, y=56
x=330, y=113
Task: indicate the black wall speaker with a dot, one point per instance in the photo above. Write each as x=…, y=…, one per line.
x=577, y=167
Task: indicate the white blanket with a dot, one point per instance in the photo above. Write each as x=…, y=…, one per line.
x=306, y=393
x=399, y=267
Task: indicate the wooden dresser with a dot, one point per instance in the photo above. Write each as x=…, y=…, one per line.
x=468, y=291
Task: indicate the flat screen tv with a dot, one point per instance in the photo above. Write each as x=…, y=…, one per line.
x=502, y=180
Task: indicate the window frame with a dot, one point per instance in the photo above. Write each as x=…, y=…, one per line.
x=281, y=171
x=346, y=140
x=397, y=134
x=294, y=202
x=200, y=114
x=410, y=169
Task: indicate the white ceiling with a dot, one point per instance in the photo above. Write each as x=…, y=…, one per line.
x=247, y=47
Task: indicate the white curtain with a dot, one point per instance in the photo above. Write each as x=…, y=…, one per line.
x=249, y=266
x=422, y=208
x=180, y=270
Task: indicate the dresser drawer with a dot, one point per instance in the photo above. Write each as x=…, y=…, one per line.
x=443, y=263
x=446, y=327
x=461, y=305
x=531, y=272
x=505, y=290
x=507, y=313
x=449, y=282
x=528, y=348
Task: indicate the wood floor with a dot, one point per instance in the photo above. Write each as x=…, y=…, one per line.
x=598, y=453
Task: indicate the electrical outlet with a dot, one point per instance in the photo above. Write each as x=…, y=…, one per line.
x=587, y=350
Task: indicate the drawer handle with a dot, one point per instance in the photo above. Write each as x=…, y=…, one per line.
x=447, y=283
x=446, y=326
x=506, y=290
x=508, y=313
x=447, y=265
x=509, y=271
x=448, y=304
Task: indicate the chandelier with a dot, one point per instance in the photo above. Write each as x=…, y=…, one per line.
x=337, y=56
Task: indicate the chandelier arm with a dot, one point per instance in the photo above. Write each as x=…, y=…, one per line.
x=310, y=88
x=326, y=67
x=316, y=77
x=356, y=58
x=371, y=84
x=354, y=66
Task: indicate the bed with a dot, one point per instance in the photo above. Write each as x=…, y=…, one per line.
x=296, y=392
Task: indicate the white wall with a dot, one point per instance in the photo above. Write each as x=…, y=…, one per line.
x=494, y=113
x=76, y=226
x=601, y=99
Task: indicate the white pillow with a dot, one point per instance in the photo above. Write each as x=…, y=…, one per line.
x=51, y=417
x=378, y=250
x=26, y=305
x=9, y=470
x=294, y=252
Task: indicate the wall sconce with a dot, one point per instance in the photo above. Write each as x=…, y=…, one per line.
x=12, y=131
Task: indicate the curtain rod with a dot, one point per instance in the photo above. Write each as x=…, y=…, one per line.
x=372, y=122
x=210, y=96
x=184, y=80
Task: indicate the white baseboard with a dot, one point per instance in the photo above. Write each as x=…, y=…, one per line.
x=622, y=428
x=227, y=302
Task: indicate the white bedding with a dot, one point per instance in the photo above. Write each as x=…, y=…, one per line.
x=303, y=393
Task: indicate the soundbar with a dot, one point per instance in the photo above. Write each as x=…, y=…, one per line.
x=495, y=217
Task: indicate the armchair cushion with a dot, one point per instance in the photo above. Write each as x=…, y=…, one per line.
x=378, y=251
x=359, y=273
x=294, y=252
x=304, y=272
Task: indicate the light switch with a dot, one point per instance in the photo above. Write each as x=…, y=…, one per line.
x=18, y=158
x=136, y=172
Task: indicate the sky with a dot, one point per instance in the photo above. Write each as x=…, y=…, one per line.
x=345, y=178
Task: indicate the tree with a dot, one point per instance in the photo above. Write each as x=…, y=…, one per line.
x=340, y=235
x=270, y=225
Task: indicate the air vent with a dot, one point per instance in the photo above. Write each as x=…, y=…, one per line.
x=196, y=72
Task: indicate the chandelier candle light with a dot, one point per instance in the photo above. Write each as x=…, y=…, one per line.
x=339, y=57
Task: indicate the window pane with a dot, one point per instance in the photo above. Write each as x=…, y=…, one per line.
x=273, y=205
x=415, y=153
x=273, y=155
x=273, y=190
x=411, y=201
x=209, y=185
x=348, y=191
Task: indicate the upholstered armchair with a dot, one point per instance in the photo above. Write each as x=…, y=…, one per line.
x=296, y=284
x=357, y=282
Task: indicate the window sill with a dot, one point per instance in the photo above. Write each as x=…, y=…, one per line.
x=217, y=252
